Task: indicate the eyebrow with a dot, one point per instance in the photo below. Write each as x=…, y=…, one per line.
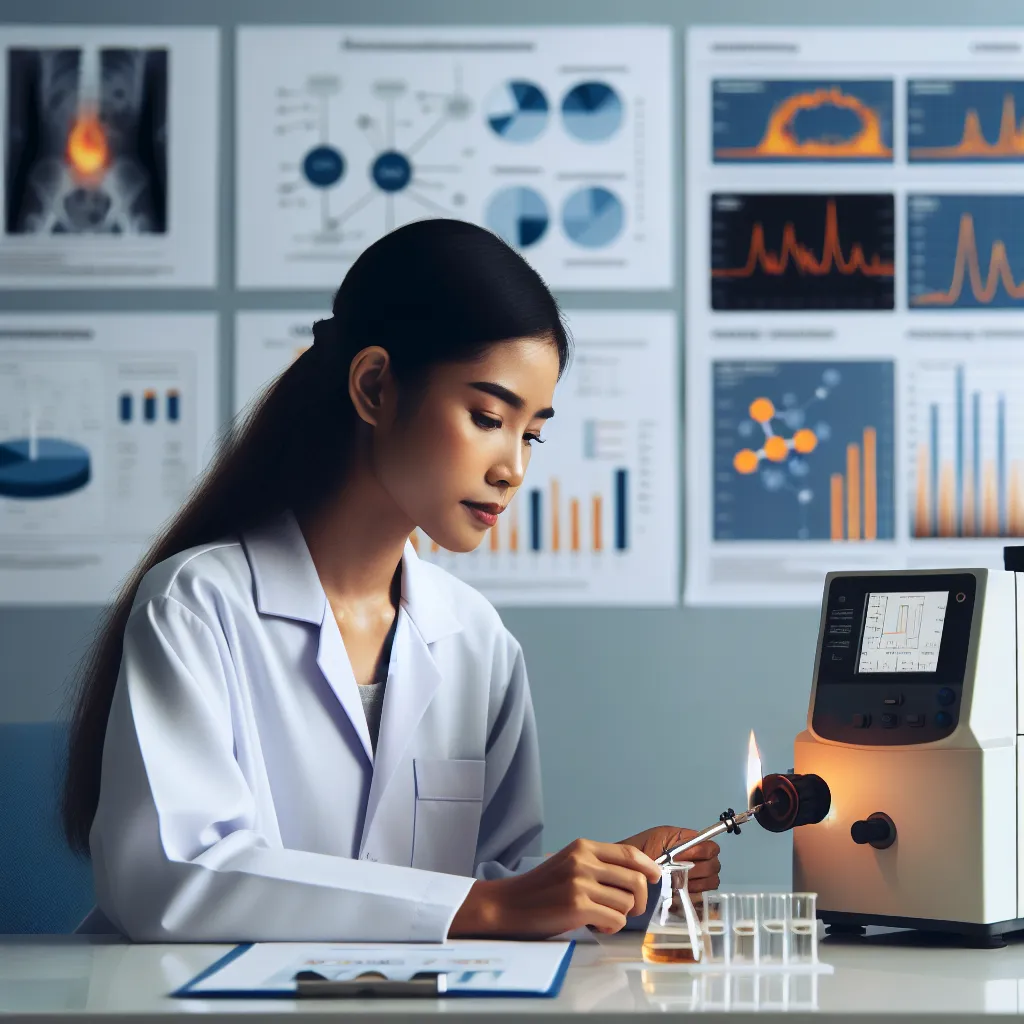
x=509, y=397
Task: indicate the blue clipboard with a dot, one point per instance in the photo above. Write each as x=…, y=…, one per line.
x=189, y=989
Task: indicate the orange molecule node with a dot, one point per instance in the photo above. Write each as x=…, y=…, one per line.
x=805, y=441
x=761, y=410
x=776, y=449
x=745, y=461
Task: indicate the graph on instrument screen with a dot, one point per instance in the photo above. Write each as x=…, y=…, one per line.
x=965, y=433
x=790, y=121
x=966, y=251
x=792, y=251
x=803, y=450
x=973, y=121
x=903, y=632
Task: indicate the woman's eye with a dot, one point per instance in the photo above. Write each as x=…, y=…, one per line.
x=530, y=438
x=486, y=422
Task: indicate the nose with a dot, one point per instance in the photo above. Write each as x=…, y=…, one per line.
x=510, y=470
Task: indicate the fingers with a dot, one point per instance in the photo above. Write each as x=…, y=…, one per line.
x=627, y=857
x=626, y=881
x=706, y=851
x=706, y=869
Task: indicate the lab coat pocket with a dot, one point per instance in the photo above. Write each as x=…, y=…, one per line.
x=449, y=801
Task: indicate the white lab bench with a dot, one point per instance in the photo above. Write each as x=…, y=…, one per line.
x=887, y=975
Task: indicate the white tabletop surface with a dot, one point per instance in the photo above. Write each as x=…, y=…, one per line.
x=886, y=975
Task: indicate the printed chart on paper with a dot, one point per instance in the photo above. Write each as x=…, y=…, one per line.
x=854, y=281
x=558, y=140
x=105, y=422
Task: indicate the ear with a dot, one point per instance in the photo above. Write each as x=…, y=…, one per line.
x=369, y=381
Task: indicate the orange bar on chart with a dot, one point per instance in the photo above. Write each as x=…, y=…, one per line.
x=1013, y=523
x=596, y=513
x=853, y=492
x=434, y=547
x=414, y=537
x=989, y=501
x=922, y=513
x=494, y=537
x=555, y=535
x=837, y=506
x=574, y=523
x=970, y=523
x=947, y=501
x=870, y=484
x=513, y=530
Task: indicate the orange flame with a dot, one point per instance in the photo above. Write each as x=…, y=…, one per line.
x=754, y=777
x=88, y=151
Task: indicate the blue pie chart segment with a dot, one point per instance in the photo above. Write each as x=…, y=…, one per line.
x=53, y=468
x=518, y=215
x=592, y=111
x=517, y=111
x=593, y=217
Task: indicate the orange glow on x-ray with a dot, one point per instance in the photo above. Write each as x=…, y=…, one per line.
x=88, y=151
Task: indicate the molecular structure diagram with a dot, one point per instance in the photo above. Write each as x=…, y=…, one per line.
x=781, y=459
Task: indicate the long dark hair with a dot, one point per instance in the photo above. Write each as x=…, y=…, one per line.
x=435, y=291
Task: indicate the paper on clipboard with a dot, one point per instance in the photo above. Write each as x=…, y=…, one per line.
x=472, y=968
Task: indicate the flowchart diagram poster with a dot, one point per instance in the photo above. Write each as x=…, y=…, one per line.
x=854, y=287
x=558, y=140
x=105, y=422
x=108, y=156
x=597, y=520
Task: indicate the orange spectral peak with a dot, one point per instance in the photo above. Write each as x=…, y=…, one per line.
x=973, y=143
x=87, y=149
x=780, y=140
x=803, y=258
x=968, y=265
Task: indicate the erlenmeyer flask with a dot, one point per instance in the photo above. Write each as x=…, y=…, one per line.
x=673, y=934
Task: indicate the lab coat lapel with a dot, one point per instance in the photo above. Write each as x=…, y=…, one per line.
x=333, y=661
x=426, y=616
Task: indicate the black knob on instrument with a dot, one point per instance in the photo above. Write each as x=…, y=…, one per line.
x=879, y=831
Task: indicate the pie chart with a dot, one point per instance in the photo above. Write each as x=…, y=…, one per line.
x=592, y=111
x=593, y=217
x=518, y=215
x=517, y=111
x=43, y=469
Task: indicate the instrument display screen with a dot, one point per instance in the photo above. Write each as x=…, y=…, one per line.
x=902, y=631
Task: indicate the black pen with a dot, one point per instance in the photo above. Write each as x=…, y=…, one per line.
x=369, y=985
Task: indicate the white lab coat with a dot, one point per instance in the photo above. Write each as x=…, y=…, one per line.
x=240, y=797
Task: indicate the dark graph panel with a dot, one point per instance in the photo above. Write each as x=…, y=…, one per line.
x=793, y=251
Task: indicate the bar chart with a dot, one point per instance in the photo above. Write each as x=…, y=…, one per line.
x=596, y=521
x=966, y=450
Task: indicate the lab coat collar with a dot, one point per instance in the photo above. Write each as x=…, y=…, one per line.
x=283, y=573
x=287, y=585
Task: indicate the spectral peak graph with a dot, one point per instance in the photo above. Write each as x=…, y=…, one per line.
x=803, y=121
x=959, y=249
x=801, y=251
x=947, y=121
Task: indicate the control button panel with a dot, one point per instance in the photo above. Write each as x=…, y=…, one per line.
x=861, y=721
x=914, y=721
x=890, y=721
x=946, y=696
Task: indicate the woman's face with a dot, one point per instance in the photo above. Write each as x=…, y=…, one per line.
x=455, y=462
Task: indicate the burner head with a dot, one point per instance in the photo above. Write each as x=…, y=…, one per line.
x=791, y=800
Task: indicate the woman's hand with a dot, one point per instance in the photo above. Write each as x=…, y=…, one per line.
x=587, y=883
x=706, y=865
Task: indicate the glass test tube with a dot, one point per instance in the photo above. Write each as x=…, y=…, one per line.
x=775, y=920
x=716, y=927
x=803, y=928
x=745, y=926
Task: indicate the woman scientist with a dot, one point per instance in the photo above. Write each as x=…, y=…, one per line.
x=225, y=769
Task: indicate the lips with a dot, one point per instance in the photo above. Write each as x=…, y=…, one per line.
x=484, y=512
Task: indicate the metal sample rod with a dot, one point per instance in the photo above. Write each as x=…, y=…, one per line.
x=729, y=821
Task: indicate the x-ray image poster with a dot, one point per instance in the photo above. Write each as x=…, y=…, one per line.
x=105, y=422
x=557, y=139
x=108, y=156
